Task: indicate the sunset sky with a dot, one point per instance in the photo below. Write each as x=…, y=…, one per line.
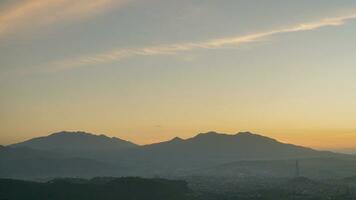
x=150, y=70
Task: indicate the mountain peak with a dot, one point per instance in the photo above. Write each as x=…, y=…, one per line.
x=208, y=134
x=66, y=133
x=211, y=133
x=176, y=139
x=245, y=133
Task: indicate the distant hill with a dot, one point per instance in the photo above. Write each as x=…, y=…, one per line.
x=112, y=189
x=80, y=144
x=211, y=149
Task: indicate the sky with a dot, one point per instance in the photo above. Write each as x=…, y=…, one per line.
x=150, y=70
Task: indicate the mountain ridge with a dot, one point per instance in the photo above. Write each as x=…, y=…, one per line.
x=211, y=149
x=78, y=144
x=173, y=157
x=72, y=139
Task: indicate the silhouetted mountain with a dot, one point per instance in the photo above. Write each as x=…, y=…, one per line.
x=204, y=153
x=78, y=144
x=23, y=162
x=210, y=149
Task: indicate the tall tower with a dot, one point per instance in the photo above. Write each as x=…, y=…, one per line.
x=297, y=171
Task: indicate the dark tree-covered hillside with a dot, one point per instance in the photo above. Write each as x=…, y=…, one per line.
x=95, y=189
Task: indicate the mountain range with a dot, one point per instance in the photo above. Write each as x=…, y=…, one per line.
x=85, y=155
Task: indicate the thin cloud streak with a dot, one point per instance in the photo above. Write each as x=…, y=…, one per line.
x=43, y=12
x=119, y=54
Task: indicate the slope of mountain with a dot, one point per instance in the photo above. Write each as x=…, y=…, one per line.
x=78, y=144
x=210, y=149
x=26, y=163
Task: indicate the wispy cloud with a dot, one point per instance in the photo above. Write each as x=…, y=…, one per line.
x=119, y=54
x=30, y=13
